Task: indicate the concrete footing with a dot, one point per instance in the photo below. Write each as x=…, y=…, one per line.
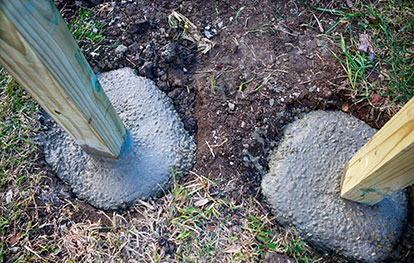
x=156, y=143
x=303, y=187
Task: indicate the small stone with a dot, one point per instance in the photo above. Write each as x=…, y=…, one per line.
x=175, y=80
x=147, y=70
x=207, y=32
x=121, y=49
x=232, y=106
x=137, y=59
x=163, y=85
x=312, y=89
x=168, y=52
x=272, y=102
x=345, y=107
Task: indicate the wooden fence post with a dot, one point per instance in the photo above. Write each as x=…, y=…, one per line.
x=39, y=51
x=385, y=164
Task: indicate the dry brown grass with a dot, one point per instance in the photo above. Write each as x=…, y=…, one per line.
x=188, y=224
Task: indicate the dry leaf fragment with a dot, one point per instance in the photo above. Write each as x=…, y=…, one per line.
x=190, y=31
x=375, y=98
x=15, y=239
x=364, y=44
x=232, y=249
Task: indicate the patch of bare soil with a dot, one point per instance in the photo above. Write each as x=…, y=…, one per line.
x=264, y=69
x=268, y=65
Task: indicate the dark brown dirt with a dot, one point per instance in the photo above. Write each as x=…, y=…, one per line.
x=286, y=70
x=268, y=66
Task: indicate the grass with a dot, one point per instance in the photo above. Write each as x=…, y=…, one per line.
x=19, y=175
x=238, y=14
x=262, y=30
x=196, y=225
x=186, y=30
x=87, y=31
x=383, y=70
x=16, y=130
x=212, y=83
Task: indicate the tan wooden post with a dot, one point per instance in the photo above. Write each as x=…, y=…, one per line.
x=39, y=51
x=384, y=165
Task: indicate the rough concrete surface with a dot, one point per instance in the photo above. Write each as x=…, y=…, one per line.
x=303, y=187
x=156, y=142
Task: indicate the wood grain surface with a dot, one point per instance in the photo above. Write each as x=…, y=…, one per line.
x=384, y=165
x=38, y=50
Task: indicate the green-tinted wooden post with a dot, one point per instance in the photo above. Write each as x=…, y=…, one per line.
x=385, y=164
x=39, y=51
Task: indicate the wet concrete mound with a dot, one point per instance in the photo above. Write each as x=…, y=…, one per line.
x=303, y=187
x=156, y=142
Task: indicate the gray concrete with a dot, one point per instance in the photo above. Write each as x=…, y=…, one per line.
x=156, y=142
x=303, y=187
